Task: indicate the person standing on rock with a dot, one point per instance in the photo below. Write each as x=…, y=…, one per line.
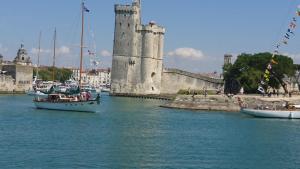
x=205, y=91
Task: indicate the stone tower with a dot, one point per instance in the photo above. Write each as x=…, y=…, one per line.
x=137, y=53
x=227, y=59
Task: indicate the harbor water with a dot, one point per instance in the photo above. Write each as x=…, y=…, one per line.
x=137, y=133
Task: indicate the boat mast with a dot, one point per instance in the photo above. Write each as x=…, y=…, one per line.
x=81, y=42
x=38, y=61
x=53, y=65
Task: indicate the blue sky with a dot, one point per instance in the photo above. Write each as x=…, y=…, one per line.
x=198, y=32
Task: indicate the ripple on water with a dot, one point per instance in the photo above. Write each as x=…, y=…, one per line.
x=137, y=133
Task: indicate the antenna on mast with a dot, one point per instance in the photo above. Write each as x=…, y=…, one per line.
x=38, y=55
x=54, y=48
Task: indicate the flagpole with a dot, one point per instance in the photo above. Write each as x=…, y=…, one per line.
x=81, y=42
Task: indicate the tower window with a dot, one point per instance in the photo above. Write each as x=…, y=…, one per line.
x=152, y=74
x=120, y=24
x=128, y=25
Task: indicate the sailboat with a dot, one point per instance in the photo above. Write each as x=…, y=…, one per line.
x=81, y=101
x=36, y=90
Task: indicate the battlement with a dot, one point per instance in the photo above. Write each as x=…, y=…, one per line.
x=130, y=9
x=152, y=28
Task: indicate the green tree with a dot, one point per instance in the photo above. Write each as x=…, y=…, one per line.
x=61, y=74
x=249, y=69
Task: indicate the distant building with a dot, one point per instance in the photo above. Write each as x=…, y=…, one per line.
x=227, y=59
x=1, y=58
x=16, y=76
x=95, y=77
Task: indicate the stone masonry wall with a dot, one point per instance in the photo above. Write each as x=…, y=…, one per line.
x=6, y=84
x=18, y=78
x=174, y=80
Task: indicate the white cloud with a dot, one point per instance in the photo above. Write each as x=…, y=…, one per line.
x=193, y=60
x=63, y=50
x=36, y=50
x=187, y=53
x=105, y=53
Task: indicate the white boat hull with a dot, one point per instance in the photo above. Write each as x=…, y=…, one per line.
x=287, y=114
x=105, y=90
x=86, y=106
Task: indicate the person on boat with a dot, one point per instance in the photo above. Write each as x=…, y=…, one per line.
x=83, y=96
x=98, y=98
x=75, y=98
x=88, y=96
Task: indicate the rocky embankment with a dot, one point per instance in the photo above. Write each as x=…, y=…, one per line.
x=199, y=102
x=225, y=103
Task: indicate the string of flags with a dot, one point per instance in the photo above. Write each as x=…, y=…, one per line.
x=93, y=58
x=286, y=37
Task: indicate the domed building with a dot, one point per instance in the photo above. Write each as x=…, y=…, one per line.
x=22, y=57
x=18, y=74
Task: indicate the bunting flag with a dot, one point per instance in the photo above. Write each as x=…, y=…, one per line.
x=274, y=62
x=267, y=72
x=287, y=36
x=294, y=19
x=291, y=32
x=91, y=53
x=293, y=25
x=261, y=89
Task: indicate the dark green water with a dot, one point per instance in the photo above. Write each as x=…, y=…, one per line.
x=135, y=133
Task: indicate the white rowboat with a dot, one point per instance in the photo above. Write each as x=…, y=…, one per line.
x=287, y=114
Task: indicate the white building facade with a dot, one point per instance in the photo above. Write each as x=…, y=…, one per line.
x=97, y=77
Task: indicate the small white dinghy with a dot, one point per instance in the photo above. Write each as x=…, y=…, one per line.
x=36, y=93
x=286, y=114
